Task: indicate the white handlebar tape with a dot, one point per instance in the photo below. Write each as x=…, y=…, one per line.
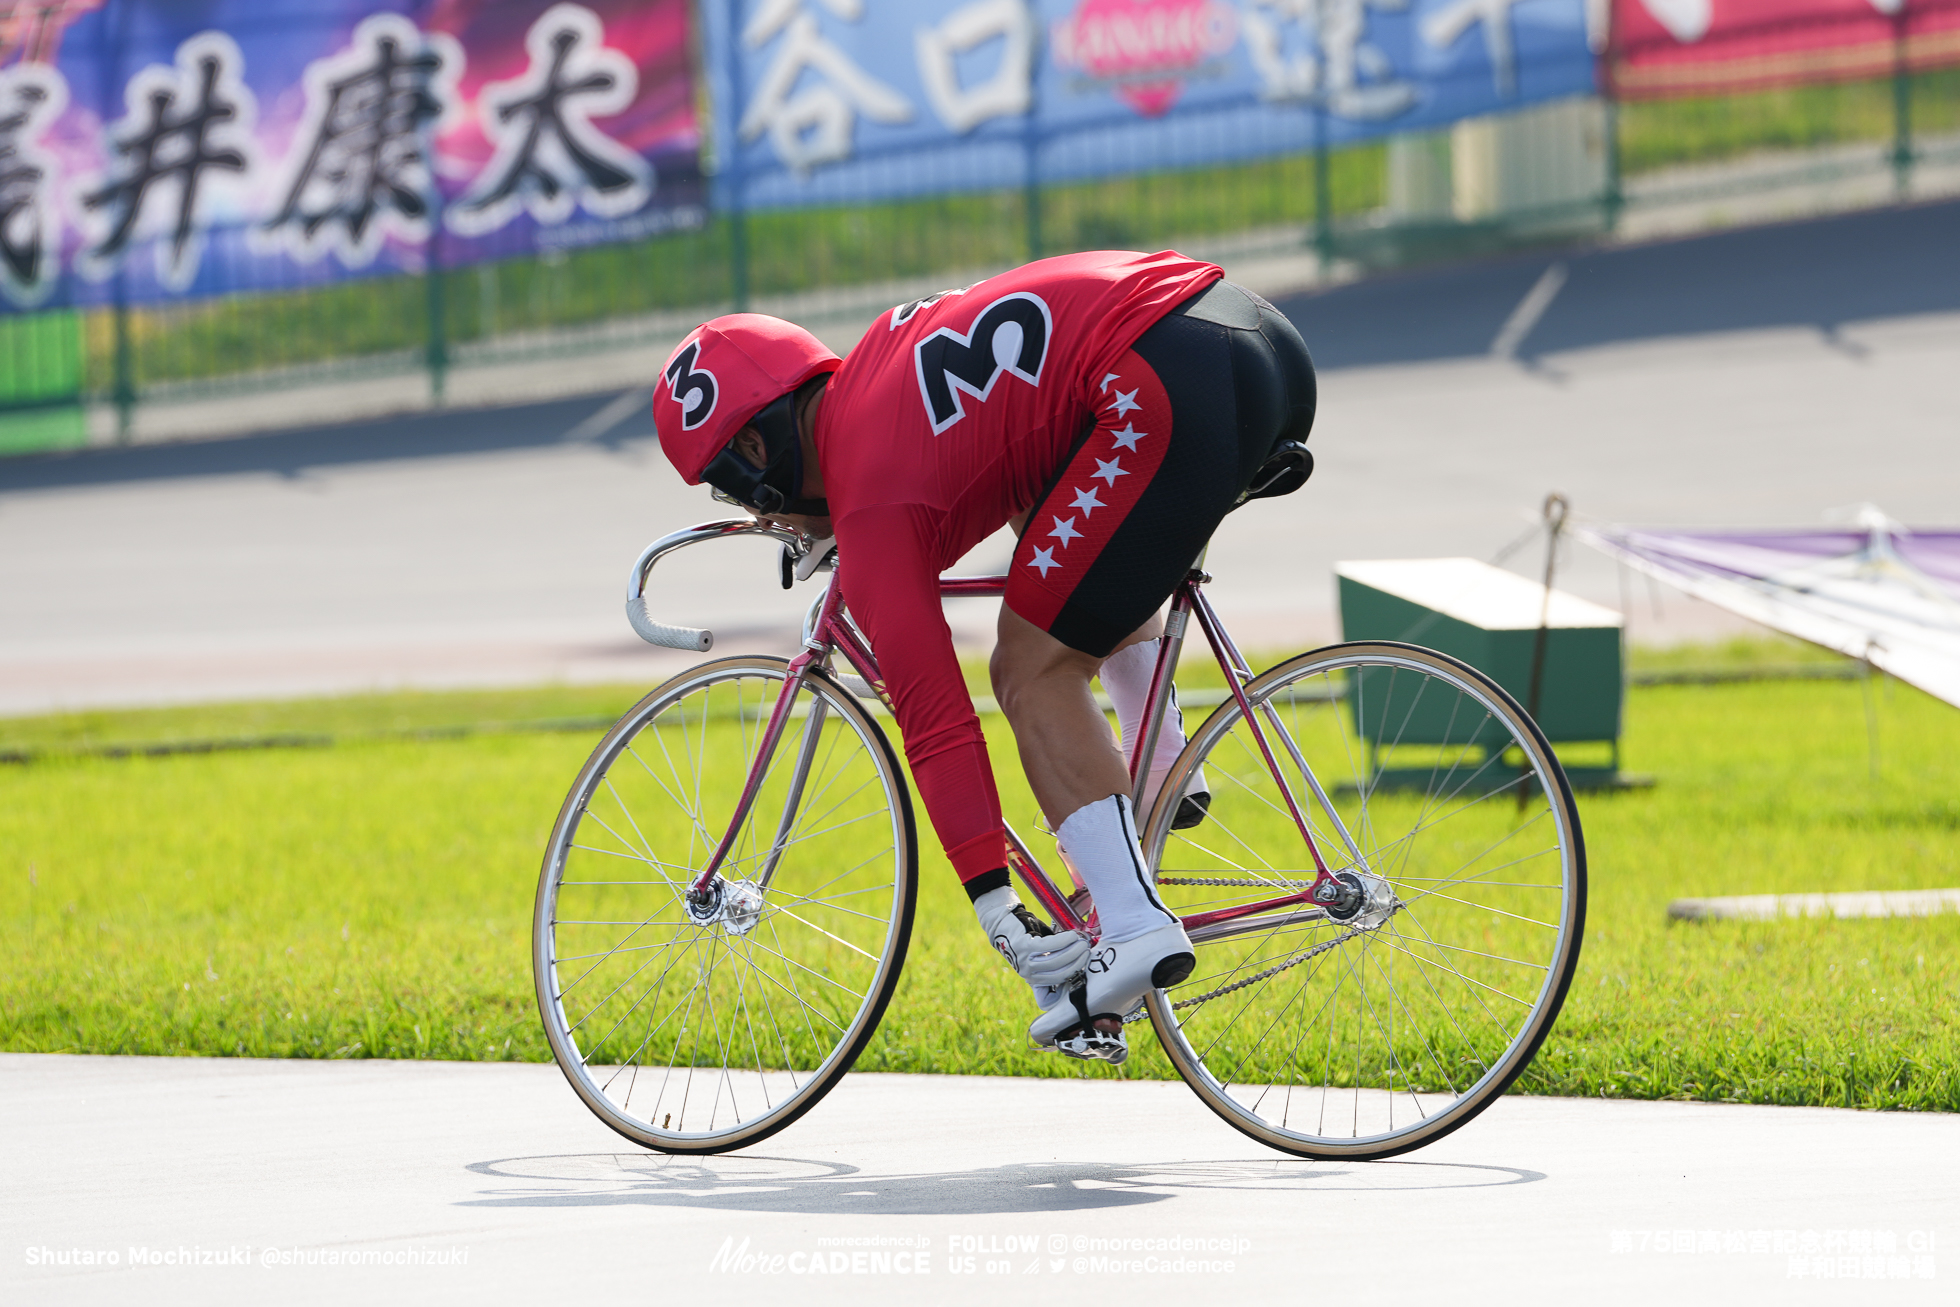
x=667, y=637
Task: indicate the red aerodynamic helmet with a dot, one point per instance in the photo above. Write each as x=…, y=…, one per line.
x=721, y=379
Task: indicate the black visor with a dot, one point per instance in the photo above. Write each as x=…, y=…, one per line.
x=771, y=488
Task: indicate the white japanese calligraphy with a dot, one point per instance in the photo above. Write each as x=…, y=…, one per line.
x=1686, y=20
x=359, y=168
x=1008, y=92
x=816, y=124
x=550, y=158
x=183, y=155
x=1332, y=64
x=31, y=97
x=1442, y=28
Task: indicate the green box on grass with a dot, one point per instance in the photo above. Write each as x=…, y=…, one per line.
x=1489, y=618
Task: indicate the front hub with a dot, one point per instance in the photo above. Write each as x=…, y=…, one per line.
x=735, y=904
x=704, y=905
x=741, y=907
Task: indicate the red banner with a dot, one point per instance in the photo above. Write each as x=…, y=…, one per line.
x=1662, y=49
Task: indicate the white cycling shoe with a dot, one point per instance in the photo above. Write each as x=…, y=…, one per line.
x=1120, y=976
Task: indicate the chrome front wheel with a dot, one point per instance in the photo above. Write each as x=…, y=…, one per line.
x=696, y=1024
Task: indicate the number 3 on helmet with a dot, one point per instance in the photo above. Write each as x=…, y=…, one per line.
x=740, y=370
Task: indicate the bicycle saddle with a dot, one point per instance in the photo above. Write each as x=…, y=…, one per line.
x=1283, y=472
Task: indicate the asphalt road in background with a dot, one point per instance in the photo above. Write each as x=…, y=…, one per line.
x=1752, y=377
x=1814, y=277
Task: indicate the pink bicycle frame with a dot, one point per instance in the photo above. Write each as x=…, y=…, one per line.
x=829, y=630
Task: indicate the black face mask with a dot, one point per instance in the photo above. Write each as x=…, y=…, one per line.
x=772, y=487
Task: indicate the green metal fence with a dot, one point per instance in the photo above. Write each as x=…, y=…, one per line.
x=1335, y=205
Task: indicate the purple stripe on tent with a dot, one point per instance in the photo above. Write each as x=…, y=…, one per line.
x=1753, y=555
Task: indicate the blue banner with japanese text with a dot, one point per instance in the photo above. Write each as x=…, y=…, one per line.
x=161, y=148
x=826, y=101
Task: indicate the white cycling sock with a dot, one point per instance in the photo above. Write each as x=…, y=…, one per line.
x=1125, y=676
x=1100, y=842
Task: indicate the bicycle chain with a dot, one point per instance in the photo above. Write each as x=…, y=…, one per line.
x=1269, y=972
x=1230, y=881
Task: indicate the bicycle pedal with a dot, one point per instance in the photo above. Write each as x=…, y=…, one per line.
x=1092, y=1045
x=1191, y=810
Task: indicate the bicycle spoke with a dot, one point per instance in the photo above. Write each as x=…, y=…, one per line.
x=1468, y=980
x=1481, y=907
x=801, y=1005
x=827, y=979
x=614, y=951
x=618, y=949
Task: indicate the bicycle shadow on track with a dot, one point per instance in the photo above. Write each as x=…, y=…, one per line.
x=778, y=1184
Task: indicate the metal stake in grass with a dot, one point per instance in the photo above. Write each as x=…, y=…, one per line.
x=1871, y=713
x=1556, y=508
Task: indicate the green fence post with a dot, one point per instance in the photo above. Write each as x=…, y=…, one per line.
x=124, y=391
x=1031, y=203
x=738, y=253
x=438, y=355
x=434, y=281
x=1614, y=199
x=728, y=159
x=123, y=385
x=1031, y=180
x=1901, y=108
x=1323, y=192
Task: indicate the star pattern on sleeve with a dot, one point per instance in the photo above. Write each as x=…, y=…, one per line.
x=1086, y=501
x=1105, y=382
x=1127, y=438
x=1065, y=531
x=1125, y=401
x=1043, y=560
x=1111, y=470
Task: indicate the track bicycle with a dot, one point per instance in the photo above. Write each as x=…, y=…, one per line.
x=1386, y=895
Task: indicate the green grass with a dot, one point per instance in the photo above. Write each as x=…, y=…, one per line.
x=1763, y=788
x=342, y=718
x=373, y=898
x=1767, y=654
x=1660, y=133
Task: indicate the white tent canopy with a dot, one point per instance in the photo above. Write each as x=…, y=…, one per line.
x=1877, y=591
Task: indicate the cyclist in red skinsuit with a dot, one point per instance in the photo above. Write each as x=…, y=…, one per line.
x=914, y=486
x=1118, y=405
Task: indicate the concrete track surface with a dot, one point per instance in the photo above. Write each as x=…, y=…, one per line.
x=999, y=1190
x=1756, y=377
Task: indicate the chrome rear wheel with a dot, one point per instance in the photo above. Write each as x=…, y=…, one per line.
x=1383, y=1024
